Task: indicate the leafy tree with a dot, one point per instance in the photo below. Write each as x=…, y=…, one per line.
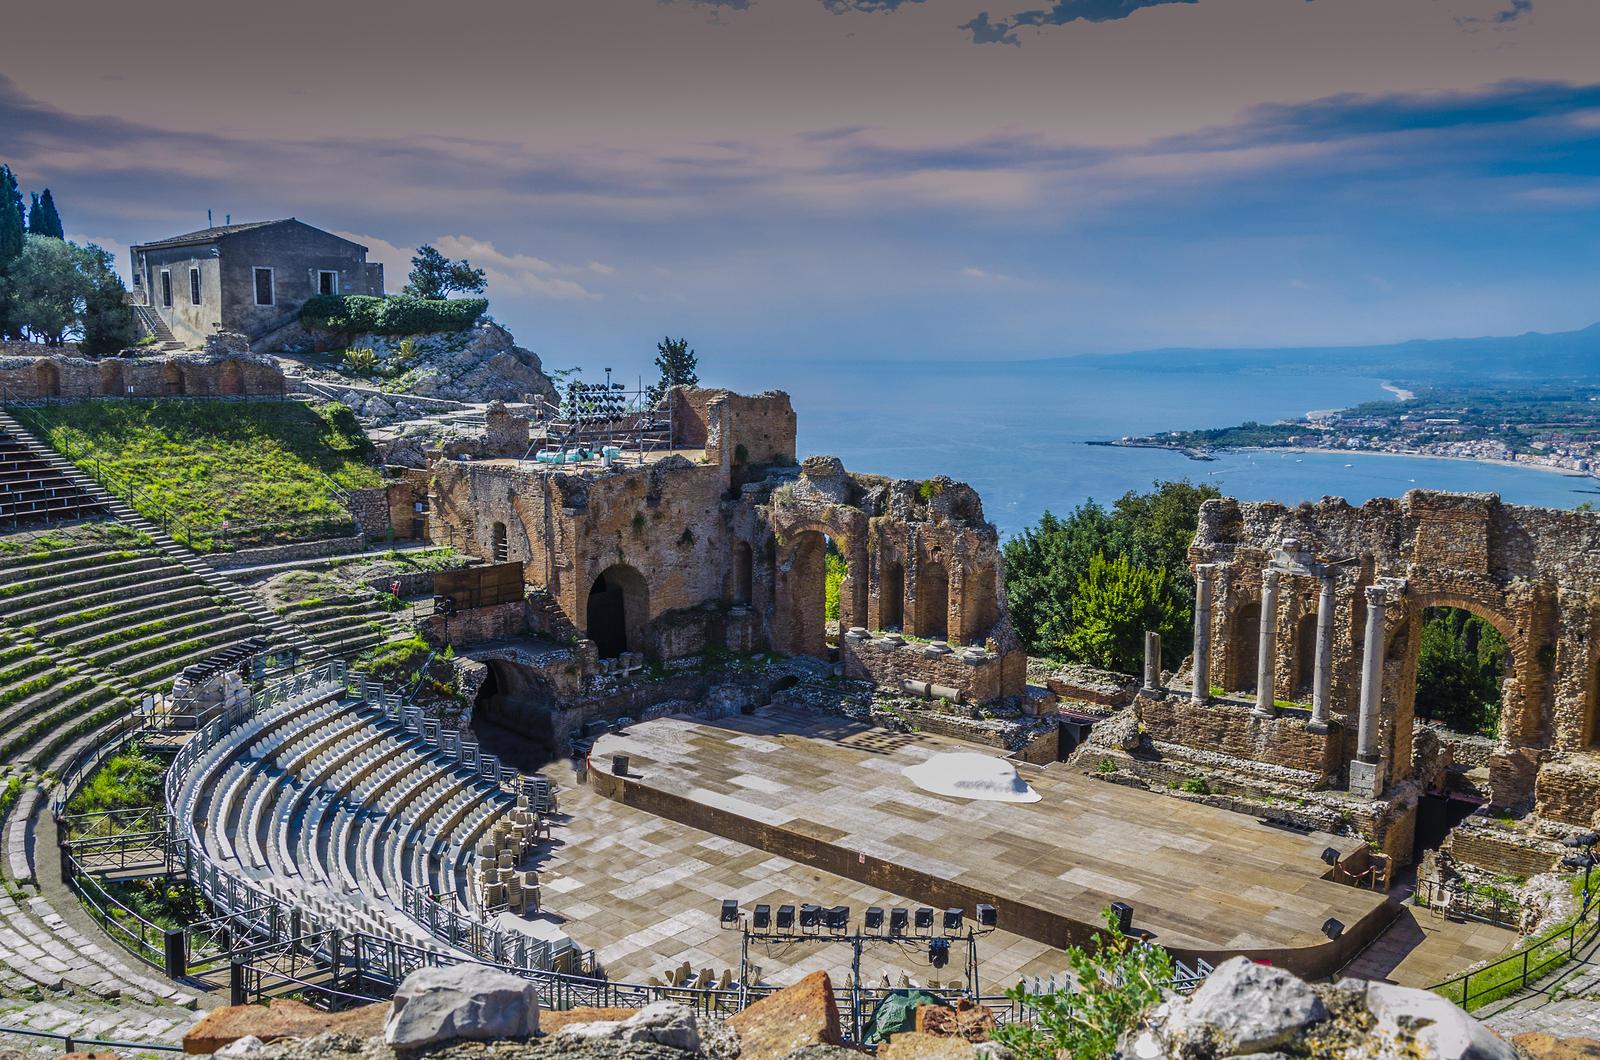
x=836, y=570
x=107, y=322
x=1154, y=530
x=1119, y=980
x=12, y=230
x=47, y=290
x=1115, y=603
x=43, y=220
x=1458, y=671
x=677, y=363
x=434, y=276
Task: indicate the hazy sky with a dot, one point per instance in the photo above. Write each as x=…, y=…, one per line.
x=907, y=179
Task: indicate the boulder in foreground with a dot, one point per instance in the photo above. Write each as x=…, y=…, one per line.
x=796, y=1016
x=461, y=1001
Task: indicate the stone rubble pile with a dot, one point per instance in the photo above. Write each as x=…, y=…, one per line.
x=496, y=883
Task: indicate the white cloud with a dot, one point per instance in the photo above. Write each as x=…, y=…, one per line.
x=981, y=275
x=396, y=260
x=508, y=274
x=120, y=250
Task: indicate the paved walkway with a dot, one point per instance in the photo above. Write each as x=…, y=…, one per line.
x=1565, y=1004
x=1418, y=950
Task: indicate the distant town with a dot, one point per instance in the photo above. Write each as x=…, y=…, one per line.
x=1554, y=427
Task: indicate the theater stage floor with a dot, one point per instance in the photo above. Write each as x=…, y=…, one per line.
x=829, y=793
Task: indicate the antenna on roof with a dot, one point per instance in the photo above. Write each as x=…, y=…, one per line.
x=229, y=218
x=208, y=220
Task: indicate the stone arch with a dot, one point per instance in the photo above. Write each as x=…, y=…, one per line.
x=802, y=587
x=46, y=378
x=980, y=606
x=1403, y=644
x=1305, y=655
x=112, y=381
x=892, y=596
x=933, y=598
x=617, y=611
x=231, y=380
x=743, y=572
x=513, y=715
x=1244, y=646
x=172, y=381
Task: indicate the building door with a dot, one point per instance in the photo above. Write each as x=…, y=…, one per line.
x=327, y=283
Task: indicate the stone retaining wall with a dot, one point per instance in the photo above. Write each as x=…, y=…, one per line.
x=1236, y=731
x=1568, y=790
x=477, y=624
x=869, y=660
x=255, y=557
x=1496, y=854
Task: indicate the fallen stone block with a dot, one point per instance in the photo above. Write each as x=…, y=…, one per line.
x=282, y=1019
x=799, y=1015
x=917, y=1045
x=668, y=1023
x=552, y=1022
x=1549, y=1047
x=461, y=1001
x=968, y=1020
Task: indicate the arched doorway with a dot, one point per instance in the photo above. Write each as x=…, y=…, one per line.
x=618, y=611
x=232, y=381
x=980, y=609
x=47, y=378
x=743, y=572
x=111, y=379
x=172, y=379
x=807, y=582
x=892, y=597
x=499, y=548
x=1246, y=642
x=513, y=716
x=933, y=599
x=1305, y=655
x=1462, y=663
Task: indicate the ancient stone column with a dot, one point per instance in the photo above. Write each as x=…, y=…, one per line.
x=1324, y=671
x=1267, y=658
x=1364, y=772
x=1202, y=633
x=1152, y=661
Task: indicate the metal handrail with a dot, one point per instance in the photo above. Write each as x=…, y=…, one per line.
x=72, y=1041
x=1528, y=973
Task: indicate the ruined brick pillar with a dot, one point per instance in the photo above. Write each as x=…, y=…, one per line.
x=1201, y=668
x=1366, y=775
x=1152, y=662
x=1324, y=670
x=1267, y=658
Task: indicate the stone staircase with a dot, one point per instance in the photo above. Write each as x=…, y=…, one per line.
x=150, y=323
x=549, y=617
x=272, y=627
x=345, y=625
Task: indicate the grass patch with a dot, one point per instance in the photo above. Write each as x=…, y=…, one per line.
x=250, y=463
x=128, y=782
x=1539, y=957
x=397, y=661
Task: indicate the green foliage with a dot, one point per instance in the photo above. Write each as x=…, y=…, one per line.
x=1105, y=765
x=251, y=463
x=434, y=276
x=12, y=227
x=393, y=662
x=393, y=315
x=107, y=322
x=56, y=290
x=361, y=362
x=1045, y=564
x=931, y=488
x=836, y=571
x=1114, y=605
x=1458, y=671
x=129, y=781
x=1122, y=978
x=43, y=220
x=1196, y=786
x=677, y=363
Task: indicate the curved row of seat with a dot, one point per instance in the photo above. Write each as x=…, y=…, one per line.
x=328, y=803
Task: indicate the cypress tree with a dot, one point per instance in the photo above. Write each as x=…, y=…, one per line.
x=11, y=219
x=43, y=220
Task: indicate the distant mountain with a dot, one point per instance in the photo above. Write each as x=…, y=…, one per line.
x=1565, y=357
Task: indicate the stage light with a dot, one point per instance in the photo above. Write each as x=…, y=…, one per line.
x=763, y=918
x=938, y=952
x=810, y=915
x=987, y=917
x=837, y=918
x=1124, y=913
x=730, y=911
x=898, y=919
x=1333, y=929
x=874, y=921
x=924, y=918
x=1330, y=856
x=785, y=917
x=952, y=919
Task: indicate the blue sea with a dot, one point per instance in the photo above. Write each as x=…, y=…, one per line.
x=1016, y=432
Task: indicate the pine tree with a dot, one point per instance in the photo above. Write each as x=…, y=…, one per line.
x=677, y=363
x=43, y=220
x=12, y=232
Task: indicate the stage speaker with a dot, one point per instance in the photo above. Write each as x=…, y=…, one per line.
x=874, y=920
x=785, y=917
x=898, y=919
x=1124, y=913
x=987, y=917
x=1333, y=929
x=763, y=918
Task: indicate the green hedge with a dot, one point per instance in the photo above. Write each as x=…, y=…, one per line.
x=393, y=315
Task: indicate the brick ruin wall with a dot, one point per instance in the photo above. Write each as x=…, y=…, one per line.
x=1235, y=731
x=226, y=374
x=700, y=560
x=1531, y=572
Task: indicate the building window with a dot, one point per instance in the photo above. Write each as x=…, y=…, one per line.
x=194, y=286
x=166, y=288
x=327, y=283
x=263, y=287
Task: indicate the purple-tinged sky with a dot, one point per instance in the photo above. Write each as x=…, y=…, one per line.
x=901, y=179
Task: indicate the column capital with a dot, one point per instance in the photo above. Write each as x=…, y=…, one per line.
x=1377, y=595
x=1204, y=571
x=1269, y=576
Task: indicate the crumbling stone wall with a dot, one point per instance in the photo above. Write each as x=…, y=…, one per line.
x=721, y=422
x=222, y=371
x=1533, y=573
x=1232, y=730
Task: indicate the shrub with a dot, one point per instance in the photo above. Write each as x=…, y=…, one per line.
x=361, y=362
x=393, y=315
x=1196, y=786
x=1118, y=981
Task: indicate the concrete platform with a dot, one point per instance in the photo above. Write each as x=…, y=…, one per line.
x=829, y=794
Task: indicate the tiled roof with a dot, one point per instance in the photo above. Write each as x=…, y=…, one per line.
x=206, y=235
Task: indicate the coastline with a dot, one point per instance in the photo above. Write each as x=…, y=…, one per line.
x=1211, y=454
